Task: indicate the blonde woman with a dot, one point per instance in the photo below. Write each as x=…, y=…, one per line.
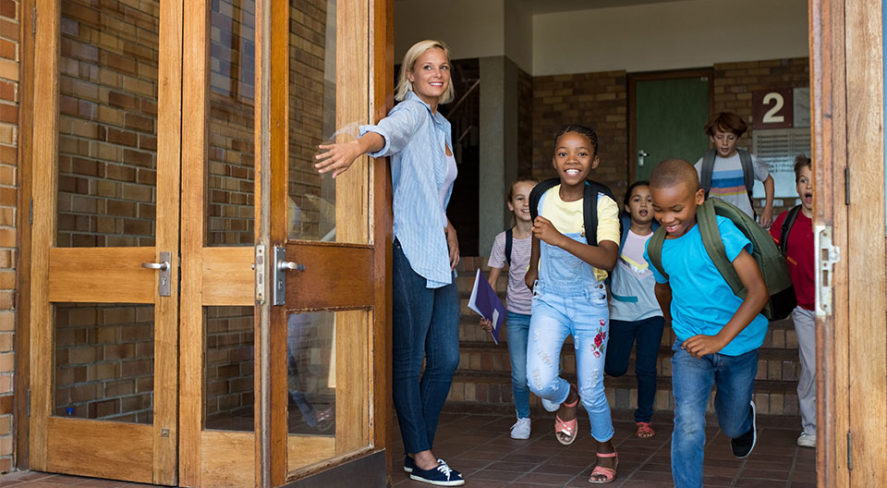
x=426, y=250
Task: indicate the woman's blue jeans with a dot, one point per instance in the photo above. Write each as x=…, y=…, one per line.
x=648, y=334
x=425, y=326
x=517, y=326
x=692, y=379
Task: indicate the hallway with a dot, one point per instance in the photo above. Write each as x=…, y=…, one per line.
x=479, y=445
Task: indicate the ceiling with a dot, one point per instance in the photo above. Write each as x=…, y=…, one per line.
x=549, y=6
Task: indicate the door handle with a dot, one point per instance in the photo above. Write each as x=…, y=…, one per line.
x=163, y=280
x=161, y=266
x=641, y=155
x=281, y=266
x=290, y=266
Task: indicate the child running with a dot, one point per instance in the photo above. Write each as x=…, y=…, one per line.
x=570, y=297
x=717, y=333
x=798, y=251
x=634, y=311
x=518, y=298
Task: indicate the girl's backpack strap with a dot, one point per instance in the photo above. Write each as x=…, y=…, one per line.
x=654, y=250
x=509, y=239
x=537, y=192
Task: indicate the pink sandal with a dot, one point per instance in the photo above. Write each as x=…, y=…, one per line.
x=609, y=474
x=565, y=431
x=645, y=430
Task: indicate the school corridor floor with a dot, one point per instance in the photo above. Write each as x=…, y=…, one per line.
x=479, y=446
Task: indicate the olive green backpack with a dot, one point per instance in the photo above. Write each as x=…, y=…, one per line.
x=766, y=254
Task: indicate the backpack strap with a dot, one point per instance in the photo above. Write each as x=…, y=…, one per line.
x=509, y=239
x=748, y=172
x=787, y=227
x=654, y=250
x=589, y=208
x=714, y=246
x=537, y=192
x=589, y=204
x=708, y=165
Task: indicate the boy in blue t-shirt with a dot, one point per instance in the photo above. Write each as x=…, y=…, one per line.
x=717, y=333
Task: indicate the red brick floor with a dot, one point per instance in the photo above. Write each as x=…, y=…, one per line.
x=479, y=446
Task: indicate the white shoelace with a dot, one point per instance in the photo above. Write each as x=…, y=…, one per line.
x=444, y=468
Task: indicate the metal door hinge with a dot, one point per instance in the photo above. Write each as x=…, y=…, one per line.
x=34, y=21
x=849, y=451
x=279, y=267
x=259, y=267
x=827, y=256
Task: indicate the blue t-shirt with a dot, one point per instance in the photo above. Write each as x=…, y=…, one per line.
x=702, y=301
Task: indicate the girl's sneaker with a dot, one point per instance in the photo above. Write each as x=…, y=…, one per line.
x=442, y=475
x=521, y=429
x=807, y=440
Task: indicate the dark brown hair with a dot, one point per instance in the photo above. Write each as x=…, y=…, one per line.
x=801, y=160
x=726, y=122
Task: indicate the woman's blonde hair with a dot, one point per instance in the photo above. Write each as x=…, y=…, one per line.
x=409, y=59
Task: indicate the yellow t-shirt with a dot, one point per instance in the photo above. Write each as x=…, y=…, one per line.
x=568, y=219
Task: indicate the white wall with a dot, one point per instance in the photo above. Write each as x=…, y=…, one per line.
x=646, y=37
x=671, y=35
x=471, y=28
x=519, y=34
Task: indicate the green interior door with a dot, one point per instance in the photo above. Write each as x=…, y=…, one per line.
x=670, y=114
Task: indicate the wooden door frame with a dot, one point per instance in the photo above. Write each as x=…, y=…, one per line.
x=632, y=79
x=847, y=100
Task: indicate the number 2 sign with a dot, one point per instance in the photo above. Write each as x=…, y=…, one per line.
x=772, y=109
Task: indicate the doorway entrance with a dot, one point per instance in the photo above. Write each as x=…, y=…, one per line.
x=147, y=298
x=667, y=113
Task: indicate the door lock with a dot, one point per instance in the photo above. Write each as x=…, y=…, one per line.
x=641, y=155
x=163, y=280
x=281, y=266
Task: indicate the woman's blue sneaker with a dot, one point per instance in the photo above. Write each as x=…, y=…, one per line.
x=408, y=463
x=442, y=475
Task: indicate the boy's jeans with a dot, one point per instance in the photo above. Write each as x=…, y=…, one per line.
x=692, y=380
x=517, y=326
x=425, y=326
x=584, y=314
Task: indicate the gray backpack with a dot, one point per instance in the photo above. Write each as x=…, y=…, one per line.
x=748, y=171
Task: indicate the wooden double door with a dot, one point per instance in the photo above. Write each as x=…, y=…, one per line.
x=204, y=308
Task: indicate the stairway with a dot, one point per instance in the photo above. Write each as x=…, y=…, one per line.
x=483, y=380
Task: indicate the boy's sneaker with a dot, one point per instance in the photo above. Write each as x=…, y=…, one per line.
x=807, y=440
x=743, y=445
x=442, y=475
x=408, y=464
x=521, y=429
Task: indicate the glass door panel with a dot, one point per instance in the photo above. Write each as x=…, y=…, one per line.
x=104, y=304
x=322, y=412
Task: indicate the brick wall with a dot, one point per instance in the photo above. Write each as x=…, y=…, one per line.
x=231, y=175
x=107, y=126
x=10, y=17
x=596, y=100
x=599, y=100
x=312, y=121
x=734, y=84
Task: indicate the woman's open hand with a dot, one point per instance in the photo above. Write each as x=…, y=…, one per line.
x=336, y=157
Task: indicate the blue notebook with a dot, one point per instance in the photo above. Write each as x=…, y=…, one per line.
x=485, y=302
